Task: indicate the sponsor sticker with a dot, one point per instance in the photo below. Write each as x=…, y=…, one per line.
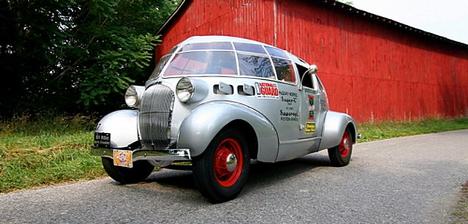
x=309, y=127
x=311, y=108
x=122, y=158
x=267, y=90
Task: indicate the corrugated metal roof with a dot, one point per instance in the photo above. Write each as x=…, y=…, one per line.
x=389, y=22
x=347, y=9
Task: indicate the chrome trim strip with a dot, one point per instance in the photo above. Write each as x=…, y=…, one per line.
x=158, y=155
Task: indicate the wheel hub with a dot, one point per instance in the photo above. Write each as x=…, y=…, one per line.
x=345, y=145
x=231, y=162
x=228, y=162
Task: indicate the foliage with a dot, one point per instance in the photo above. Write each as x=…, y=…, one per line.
x=74, y=55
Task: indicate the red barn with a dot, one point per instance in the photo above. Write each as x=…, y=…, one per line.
x=373, y=68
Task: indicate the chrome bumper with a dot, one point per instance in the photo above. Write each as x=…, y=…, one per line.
x=166, y=155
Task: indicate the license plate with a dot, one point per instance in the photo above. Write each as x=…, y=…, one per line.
x=122, y=158
x=102, y=139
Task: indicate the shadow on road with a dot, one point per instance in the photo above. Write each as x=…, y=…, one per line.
x=261, y=174
x=266, y=174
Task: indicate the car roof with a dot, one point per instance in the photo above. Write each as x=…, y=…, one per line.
x=204, y=39
x=212, y=38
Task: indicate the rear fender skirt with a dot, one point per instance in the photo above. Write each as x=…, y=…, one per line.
x=333, y=129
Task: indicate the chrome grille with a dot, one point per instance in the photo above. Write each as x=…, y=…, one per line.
x=155, y=117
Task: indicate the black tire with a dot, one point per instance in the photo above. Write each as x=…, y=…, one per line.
x=140, y=171
x=340, y=155
x=225, y=181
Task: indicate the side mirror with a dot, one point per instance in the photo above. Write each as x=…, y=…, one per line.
x=310, y=72
x=313, y=69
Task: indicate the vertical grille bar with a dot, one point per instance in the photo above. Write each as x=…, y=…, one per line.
x=155, y=117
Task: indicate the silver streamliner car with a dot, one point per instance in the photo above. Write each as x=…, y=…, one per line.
x=220, y=102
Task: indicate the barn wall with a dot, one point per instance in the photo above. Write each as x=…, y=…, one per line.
x=371, y=71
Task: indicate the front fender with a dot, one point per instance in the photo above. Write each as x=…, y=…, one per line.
x=205, y=122
x=334, y=126
x=122, y=126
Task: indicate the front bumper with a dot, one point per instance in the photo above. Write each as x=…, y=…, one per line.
x=156, y=155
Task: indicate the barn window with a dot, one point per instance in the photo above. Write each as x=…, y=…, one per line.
x=254, y=48
x=202, y=63
x=253, y=65
x=284, y=70
x=208, y=46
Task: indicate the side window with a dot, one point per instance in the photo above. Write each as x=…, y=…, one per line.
x=305, y=76
x=283, y=66
x=284, y=69
x=253, y=65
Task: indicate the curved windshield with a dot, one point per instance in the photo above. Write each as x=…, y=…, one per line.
x=227, y=58
x=202, y=63
x=157, y=70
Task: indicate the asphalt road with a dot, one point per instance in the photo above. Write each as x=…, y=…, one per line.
x=402, y=180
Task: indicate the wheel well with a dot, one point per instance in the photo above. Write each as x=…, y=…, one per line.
x=352, y=129
x=249, y=134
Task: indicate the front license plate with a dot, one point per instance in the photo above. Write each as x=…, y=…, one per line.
x=102, y=139
x=122, y=158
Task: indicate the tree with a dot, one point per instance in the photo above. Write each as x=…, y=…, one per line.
x=73, y=55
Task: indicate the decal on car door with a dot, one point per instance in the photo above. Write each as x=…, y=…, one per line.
x=289, y=106
x=266, y=90
x=310, y=124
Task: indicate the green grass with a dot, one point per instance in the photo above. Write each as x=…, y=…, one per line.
x=55, y=150
x=384, y=130
x=34, y=153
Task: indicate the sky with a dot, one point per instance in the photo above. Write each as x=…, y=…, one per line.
x=447, y=18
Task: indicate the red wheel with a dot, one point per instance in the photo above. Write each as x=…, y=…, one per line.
x=228, y=162
x=340, y=155
x=222, y=170
x=345, y=145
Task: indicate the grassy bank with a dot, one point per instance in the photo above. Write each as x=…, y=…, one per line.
x=54, y=150
x=384, y=130
x=48, y=151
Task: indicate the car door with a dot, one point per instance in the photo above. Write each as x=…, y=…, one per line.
x=321, y=103
x=310, y=106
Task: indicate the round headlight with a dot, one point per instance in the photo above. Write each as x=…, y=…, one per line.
x=131, y=97
x=184, y=89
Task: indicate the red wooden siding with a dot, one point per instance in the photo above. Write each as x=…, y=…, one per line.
x=372, y=71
